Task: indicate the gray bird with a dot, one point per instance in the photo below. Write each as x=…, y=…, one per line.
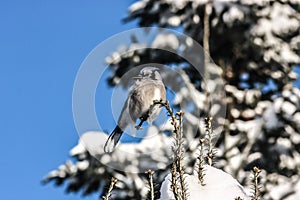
x=147, y=87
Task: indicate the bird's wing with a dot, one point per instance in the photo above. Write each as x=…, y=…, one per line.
x=135, y=104
x=125, y=119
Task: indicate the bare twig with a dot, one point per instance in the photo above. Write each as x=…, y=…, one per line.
x=150, y=180
x=177, y=166
x=201, y=163
x=180, y=156
x=111, y=187
x=238, y=198
x=166, y=104
x=256, y=172
x=206, y=33
x=174, y=185
x=209, y=137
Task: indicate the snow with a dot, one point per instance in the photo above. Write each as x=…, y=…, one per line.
x=288, y=108
x=251, y=96
x=254, y=2
x=296, y=195
x=166, y=41
x=277, y=104
x=137, y=6
x=154, y=149
x=174, y=21
x=179, y=4
x=288, y=55
x=214, y=189
x=270, y=118
x=254, y=156
x=93, y=141
x=248, y=114
x=278, y=191
x=283, y=187
x=236, y=159
x=294, y=99
x=82, y=165
x=196, y=19
x=238, y=94
x=234, y=14
x=281, y=23
x=279, y=19
x=78, y=149
x=297, y=119
x=231, y=141
x=235, y=113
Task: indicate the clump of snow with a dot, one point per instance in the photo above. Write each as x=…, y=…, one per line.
x=288, y=108
x=137, y=6
x=270, y=118
x=151, y=152
x=169, y=41
x=91, y=141
x=282, y=188
x=218, y=185
x=174, y=21
x=234, y=14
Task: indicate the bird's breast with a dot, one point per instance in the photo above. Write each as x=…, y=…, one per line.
x=157, y=94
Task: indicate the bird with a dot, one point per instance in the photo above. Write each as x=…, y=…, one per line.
x=147, y=87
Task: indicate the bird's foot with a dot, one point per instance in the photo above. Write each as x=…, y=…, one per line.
x=138, y=127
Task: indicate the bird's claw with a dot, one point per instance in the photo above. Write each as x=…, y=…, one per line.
x=138, y=127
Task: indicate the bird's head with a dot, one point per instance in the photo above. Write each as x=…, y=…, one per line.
x=150, y=72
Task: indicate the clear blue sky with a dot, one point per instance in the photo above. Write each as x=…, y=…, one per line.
x=42, y=44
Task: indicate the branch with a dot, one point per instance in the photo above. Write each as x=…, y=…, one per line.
x=150, y=180
x=180, y=156
x=256, y=172
x=201, y=163
x=111, y=187
x=206, y=34
x=210, y=154
x=177, y=166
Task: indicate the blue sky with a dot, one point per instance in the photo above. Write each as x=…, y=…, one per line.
x=42, y=45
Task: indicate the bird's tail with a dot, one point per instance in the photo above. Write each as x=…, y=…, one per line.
x=113, y=140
